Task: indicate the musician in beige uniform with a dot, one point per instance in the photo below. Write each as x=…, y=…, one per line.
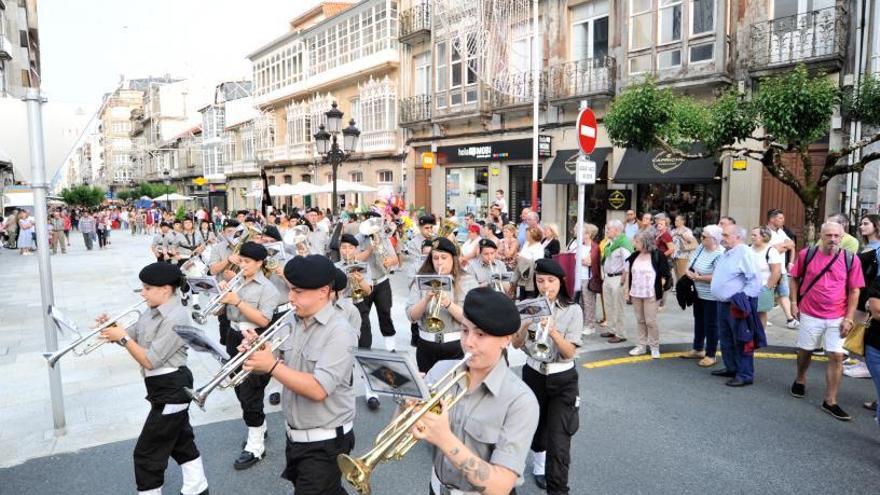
x=161, y=353
x=552, y=376
x=487, y=269
x=480, y=445
x=252, y=307
x=316, y=372
x=221, y=254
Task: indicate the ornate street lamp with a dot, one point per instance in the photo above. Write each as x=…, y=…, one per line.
x=327, y=144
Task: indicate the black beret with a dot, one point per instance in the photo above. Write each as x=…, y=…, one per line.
x=177, y=220
x=165, y=224
x=549, y=267
x=427, y=220
x=340, y=281
x=310, y=272
x=491, y=311
x=159, y=274
x=295, y=216
x=372, y=214
x=272, y=231
x=444, y=244
x=242, y=212
x=250, y=219
x=487, y=243
x=230, y=222
x=253, y=251
x=427, y=243
x=313, y=210
x=349, y=239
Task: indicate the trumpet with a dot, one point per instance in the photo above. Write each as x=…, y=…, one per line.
x=396, y=439
x=201, y=316
x=541, y=348
x=91, y=341
x=433, y=322
x=245, y=236
x=497, y=282
x=355, y=291
x=230, y=375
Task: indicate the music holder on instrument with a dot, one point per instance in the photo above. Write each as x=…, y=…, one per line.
x=391, y=373
x=206, y=285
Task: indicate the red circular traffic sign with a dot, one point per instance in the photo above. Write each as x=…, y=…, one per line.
x=587, y=130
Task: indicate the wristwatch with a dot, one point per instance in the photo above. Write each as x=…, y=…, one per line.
x=123, y=341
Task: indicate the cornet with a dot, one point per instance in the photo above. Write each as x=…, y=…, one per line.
x=91, y=341
x=230, y=375
x=433, y=322
x=355, y=291
x=201, y=316
x=541, y=348
x=393, y=442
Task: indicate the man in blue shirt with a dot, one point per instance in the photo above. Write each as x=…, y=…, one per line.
x=631, y=226
x=529, y=219
x=735, y=272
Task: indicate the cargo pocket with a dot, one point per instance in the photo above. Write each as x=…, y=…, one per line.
x=571, y=420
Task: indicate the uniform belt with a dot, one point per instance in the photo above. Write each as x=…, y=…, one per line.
x=282, y=308
x=380, y=280
x=240, y=326
x=159, y=371
x=549, y=368
x=439, y=488
x=440, y=338
x=317, y=434
x=614, y=274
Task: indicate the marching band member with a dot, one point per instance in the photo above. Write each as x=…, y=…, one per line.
x=252, y=307
x=318, y=239
x=417, y=250
x=480, y=445
x=344, y=304
x=488, y=266
x=445, y=344
x=348, y=246
x=553, y=379
x=189, y=242
x=378, y=252
x=164, y=246
x=220, y=258
x=161, y=353
x=316, y=372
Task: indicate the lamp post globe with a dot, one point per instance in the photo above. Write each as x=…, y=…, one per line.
x=322, y=140
x=350, y=137
x=334, y=119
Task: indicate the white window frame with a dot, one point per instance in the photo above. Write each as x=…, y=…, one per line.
x=629, y=61
x=691, y=46
x=591, y=30
x=669, y=6
x=680, y=59
x=379, y=177
x=711, y=31
x=441, y=82
x=422, y=74
x=356, y=176
x=631, y=25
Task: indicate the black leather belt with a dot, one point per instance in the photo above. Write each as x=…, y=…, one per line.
x=614, y=274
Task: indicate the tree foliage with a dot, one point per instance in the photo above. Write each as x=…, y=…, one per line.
x=87, y=196
x=145, y=189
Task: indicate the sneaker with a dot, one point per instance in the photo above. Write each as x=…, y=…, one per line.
x=769, y=323
x=798, y=390
x=819, y=352
x=655, y=353
x=858, y=370
x=693, y=354
x=870, y=405
x=637, y=351
x=836, y=411
x=792, y=323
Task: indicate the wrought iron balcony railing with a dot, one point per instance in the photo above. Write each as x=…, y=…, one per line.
x=515, y=90
x=415, y=21
x=414, y=109
x=579, y=78
x=809, y=37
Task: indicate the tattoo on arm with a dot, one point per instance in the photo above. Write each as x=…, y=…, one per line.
x=476, y=471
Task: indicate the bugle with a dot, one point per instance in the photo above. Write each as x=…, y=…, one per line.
x=230, y=375
x=92, y=340
x=541, y=348
x=433, y=323
x=201, y=316
x=396, y=439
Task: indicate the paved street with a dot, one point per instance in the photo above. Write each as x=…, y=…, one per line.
x=646, y=426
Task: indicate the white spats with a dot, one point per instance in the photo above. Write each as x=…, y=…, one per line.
x=194, y=480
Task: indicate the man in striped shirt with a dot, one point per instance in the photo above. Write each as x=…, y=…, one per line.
x=87, y=228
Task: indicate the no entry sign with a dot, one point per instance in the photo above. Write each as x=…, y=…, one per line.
x=586, y=131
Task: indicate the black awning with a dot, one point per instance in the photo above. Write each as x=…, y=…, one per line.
x=657, y=167
x=562, y=169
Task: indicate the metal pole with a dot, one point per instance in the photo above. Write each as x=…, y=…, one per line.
x=335, y=158
x=34, y=102
x=578, y=257
x=536, y=89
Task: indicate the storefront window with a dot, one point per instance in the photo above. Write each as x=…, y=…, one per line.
x=699, y=203
x=467, y=190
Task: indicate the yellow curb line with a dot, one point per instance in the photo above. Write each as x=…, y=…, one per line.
x=670, y=355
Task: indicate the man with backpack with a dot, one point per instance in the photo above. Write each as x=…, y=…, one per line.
x=825, y=286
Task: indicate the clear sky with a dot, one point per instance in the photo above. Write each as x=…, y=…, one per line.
x=87, y=44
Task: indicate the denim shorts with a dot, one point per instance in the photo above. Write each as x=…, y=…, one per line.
x=782, y=289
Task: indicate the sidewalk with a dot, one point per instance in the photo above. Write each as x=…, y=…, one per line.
x=103, y=392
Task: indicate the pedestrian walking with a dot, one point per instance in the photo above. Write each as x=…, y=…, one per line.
x=825, y=288
x=87, y=227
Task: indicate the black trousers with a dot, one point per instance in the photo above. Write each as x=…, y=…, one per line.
x=164, y=435
x=225, y=326
x=381, y=297
x=557, y=396
x=252, y=391
x=366, y=339
x=428, y=353
x=102, y=238
x=312, y=467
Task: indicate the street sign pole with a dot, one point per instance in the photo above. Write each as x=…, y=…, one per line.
x=586, y=143
x=34, y=103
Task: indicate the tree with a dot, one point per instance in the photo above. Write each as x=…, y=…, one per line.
x=786, y=114
x=82, y=195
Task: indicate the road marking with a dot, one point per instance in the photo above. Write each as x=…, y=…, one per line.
x=671, y=355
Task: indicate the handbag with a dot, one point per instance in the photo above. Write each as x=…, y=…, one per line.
x=595, y=285
x=855, y=340
x=685, y=290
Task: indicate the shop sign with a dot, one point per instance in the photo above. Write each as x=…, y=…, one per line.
x=428, y=160
x=513, y=149
x=664, y=162
x=200, y=181
x=739, y=165
x=619, y=199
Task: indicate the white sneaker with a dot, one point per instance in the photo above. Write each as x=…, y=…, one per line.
x=637, y=351
x=858, y=370
x=792, y=323
x=769, y=323
x=655, y=353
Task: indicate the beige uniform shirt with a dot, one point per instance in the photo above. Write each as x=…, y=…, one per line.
x=259, y=293
x=321, y=346
x=569, y=322
x=482, y=272
x=450, y=324
x=496, y=421
x=154, y=331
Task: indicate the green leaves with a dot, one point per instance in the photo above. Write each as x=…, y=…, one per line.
x=795, y=107
x=640, y=114
x=732, y=119
x=87, y=196
x=864, y=105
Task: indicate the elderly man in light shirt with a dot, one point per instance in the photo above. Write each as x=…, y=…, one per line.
x=614, y=256
x=735, y=272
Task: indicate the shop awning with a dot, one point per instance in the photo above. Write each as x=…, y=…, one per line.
x=657, y=167
x=562, y=169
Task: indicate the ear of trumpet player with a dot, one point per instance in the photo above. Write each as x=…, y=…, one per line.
x=230, y=375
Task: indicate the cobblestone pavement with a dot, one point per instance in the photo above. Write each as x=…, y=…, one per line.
x=103, y=392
